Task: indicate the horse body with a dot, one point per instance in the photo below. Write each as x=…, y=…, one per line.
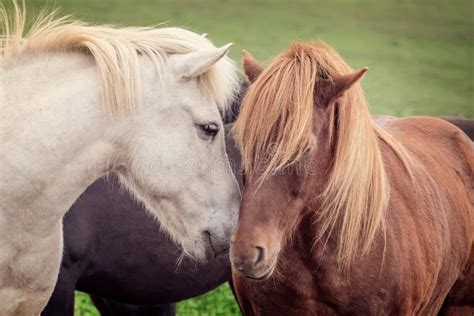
x=79, y=101
x=406, y=256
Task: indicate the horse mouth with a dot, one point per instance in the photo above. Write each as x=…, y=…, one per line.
x=266, y=275
x=212, y=249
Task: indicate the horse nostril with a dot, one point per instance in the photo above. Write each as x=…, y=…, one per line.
x=260, y=255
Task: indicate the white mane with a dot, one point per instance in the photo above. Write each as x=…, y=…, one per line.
x=116, y=52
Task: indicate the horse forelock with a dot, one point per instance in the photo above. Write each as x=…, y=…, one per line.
x=274, y=125
x=116, y=53
x=275, y=128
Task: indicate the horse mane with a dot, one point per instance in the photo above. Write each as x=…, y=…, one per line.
x=116, y=53
x=274, y=130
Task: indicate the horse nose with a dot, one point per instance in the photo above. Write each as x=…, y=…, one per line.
x=249, y=261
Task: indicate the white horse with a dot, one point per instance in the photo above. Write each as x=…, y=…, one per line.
x=78, y=101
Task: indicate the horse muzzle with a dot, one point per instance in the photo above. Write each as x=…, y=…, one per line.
x=253, y=263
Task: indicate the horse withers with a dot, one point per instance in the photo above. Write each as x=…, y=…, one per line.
x=78, y=101
x=340, y=215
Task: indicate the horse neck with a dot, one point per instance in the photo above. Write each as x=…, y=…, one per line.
x=56, y=140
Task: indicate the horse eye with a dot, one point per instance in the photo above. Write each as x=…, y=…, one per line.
x=210, y=129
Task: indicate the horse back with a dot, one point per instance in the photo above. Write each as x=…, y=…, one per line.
x=440, y=147
x=443, y=165
x=438, y=210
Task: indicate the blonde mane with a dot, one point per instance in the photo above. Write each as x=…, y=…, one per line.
x=116, y=53
x=274, y=129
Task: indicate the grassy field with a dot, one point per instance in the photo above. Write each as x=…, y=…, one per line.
x=420, y=53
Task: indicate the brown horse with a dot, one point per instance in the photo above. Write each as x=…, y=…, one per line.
x=341, y=215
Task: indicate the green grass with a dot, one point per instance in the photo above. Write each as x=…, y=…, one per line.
x=220, y=302
x=420, y=53
x=83, y=306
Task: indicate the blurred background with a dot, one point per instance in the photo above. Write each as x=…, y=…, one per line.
x=420, y=54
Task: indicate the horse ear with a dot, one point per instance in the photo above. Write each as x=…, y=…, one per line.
x=252, y=67
x=194, y=64
x=329, y=90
